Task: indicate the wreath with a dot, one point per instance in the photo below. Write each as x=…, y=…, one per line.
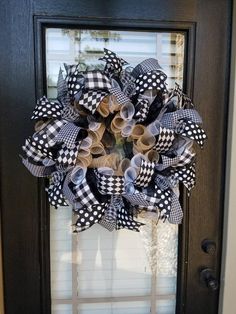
x=115, y=144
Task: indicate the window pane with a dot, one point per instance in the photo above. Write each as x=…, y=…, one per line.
x=98, y=264
x=112, y=264
x=86, y=46
x=116, y=308
x=61, y=253
x=61, y=309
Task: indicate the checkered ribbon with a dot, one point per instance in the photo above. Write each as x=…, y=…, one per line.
x=38, y=170
x=114, y=63
x=145, y=66
x=145, y=173
x=185, y=158
x=40, y=145
x=109, y=225
x=142, y=199
x=164, y=184
x=189, y=129
x=46, y=109
x=88, y=216
x=96, y=80
x=126, y=77
x=176, y=213
x=84, y=195
x=141, y=110
x=91, y=99
x=52, y=129
x=32, y=152
x=68, y=189
x=165, y=140
x=183, y=100
x=169, y=120
x=128, y=83
x=68, y=135
x=120, y=96
x=110, y=184
x=62, y=90
x=66, y=157
x=55, y=193
x=70, y=113
x=115, y=204
x=108, y=221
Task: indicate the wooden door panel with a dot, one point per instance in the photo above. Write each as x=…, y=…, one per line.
x=24, y=212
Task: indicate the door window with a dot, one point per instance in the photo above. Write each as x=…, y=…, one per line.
x=98, y=271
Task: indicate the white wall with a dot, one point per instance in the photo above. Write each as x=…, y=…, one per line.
x=228, y=277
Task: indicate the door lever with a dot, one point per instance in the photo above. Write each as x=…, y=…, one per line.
x=207, y=276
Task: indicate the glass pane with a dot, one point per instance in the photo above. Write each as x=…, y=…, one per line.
x=61, y=309
x=138, y=307
x=61, y=253
x=97, y=264
x=86, y=46
x=112, y=265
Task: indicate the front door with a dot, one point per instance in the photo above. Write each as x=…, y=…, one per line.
x=46, y=268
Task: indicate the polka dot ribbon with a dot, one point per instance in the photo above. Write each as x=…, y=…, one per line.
x=46, y=109
x=125, y=220
x=88, y=216
x=55, y=193
x=151, y=80
x=114, y=63
x=189, y=129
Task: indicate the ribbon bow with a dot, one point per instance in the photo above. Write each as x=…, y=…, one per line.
x=164, y=140
x=69, y=135
x=151, y=80
x=141, y=110
x=39, y=170
x=145, y=66
x=186, y=175
x=91, y=99
x=46, y=109
x=189, y=129
x=110, y=184
x=114, y=63
x=74, y=78
x=88, y=216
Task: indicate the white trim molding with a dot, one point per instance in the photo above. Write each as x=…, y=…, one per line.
x=228, y=274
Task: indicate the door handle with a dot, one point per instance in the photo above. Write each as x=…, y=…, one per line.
x=207, y=277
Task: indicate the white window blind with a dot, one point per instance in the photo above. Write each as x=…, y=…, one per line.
x=71, y=46
x=98, y=272
x=101, y=271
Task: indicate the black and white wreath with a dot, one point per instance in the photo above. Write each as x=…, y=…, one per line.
x=115, y=144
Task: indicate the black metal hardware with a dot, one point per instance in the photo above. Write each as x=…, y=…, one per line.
x=207, y=276
x=209, y=246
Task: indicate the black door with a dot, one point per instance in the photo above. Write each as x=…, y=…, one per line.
x=25, y=212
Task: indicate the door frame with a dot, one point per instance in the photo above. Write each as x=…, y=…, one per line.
x=26, y=237
x=41, y=23
x=228, y=273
